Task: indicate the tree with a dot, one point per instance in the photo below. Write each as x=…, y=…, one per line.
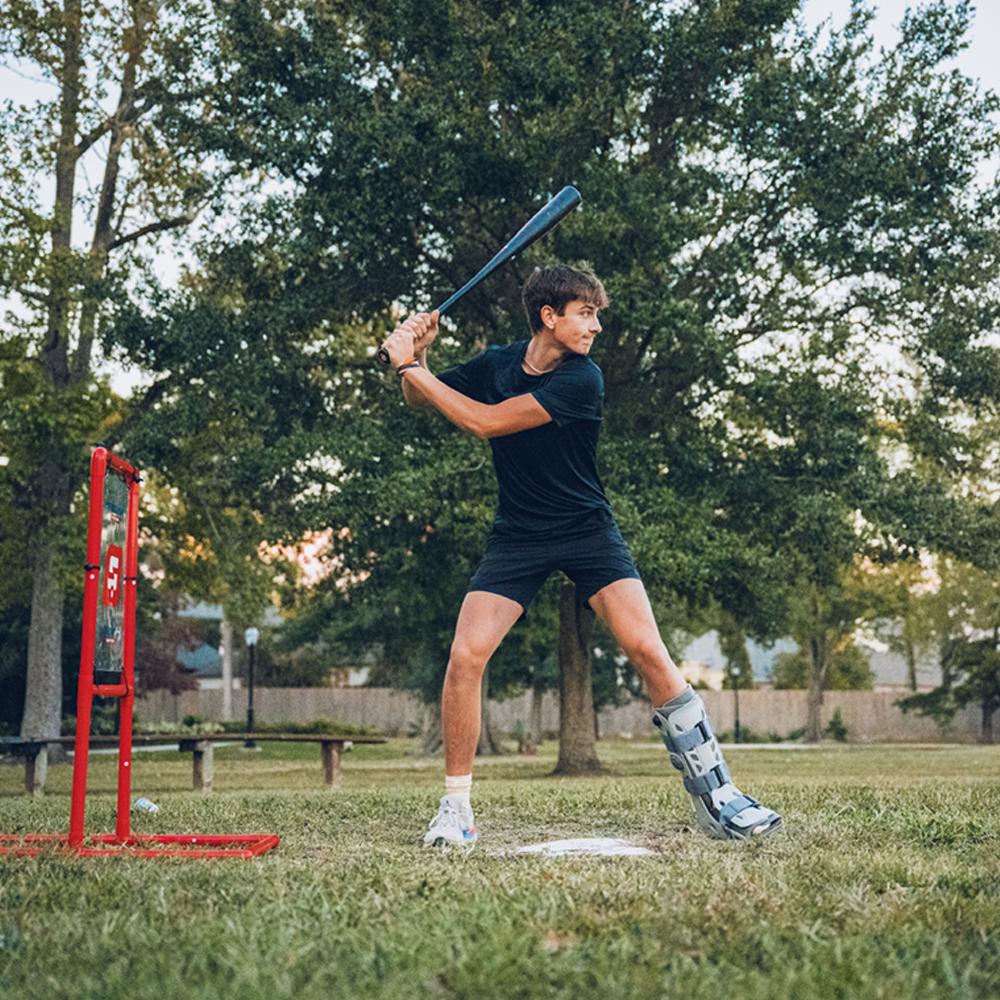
x=803, y=418
x=733, y=646
x=157, y=643
x=963, y=612
x=976, y=681
x=907, y=629
x=419, y=202
x=776, y=221
x=458, y=158
x=848, y=669
x=115, y=72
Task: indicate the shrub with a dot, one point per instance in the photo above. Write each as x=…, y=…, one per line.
x=321, y=726
x=748, y=735
x=836, y=729
x=522, y=734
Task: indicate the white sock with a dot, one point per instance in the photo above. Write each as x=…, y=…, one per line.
x=458, y=789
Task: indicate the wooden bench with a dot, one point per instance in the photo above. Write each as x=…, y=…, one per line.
x=200, y=746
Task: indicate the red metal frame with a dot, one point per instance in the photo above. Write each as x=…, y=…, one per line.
x=122, y=843
x=177, y=845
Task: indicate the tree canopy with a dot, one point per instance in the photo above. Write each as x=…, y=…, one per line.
x=799, y=249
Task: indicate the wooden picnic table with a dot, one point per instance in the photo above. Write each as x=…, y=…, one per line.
x=200, y=745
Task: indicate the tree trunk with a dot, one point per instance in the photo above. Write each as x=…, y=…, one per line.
x=535, y=724
x=817, y=675
x=490, y=744
x=911, y=663
x=55, y=350
x=947, y=655
x=51, y=493
x=227, y=671
x=104, y=225
x=43, y=690
x=577, y=746
x=432, y=736
x=986, y=735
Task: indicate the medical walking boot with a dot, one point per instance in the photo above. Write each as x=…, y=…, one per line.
x=721, y=809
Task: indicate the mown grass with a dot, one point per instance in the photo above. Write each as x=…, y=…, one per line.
x=885, y=883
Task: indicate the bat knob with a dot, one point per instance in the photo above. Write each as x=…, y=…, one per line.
x=383, y=356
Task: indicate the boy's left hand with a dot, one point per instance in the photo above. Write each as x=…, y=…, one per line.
x=426, y=330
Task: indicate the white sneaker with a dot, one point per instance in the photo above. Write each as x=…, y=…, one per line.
x=453, y=826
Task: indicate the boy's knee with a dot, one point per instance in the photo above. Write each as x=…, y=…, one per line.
x=467, y=660
x=648, y=651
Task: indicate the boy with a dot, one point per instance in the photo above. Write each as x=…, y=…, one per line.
x=539, y=403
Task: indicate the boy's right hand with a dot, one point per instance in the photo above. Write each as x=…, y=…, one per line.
x=400, y=345
x=413, y=336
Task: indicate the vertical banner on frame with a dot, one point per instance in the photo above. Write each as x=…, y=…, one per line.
x=109, y=646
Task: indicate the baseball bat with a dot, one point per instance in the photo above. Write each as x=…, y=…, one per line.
x=534, y=229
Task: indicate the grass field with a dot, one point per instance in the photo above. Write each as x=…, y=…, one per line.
x=885, y=883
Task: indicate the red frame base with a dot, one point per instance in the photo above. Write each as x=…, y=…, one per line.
x=171, y=845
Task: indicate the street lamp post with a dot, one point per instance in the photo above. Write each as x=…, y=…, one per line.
x=251, y=635
x=736, y=700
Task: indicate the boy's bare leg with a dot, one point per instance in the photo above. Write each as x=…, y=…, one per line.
x=624, y=606
x=721, y=809
x=482, y=623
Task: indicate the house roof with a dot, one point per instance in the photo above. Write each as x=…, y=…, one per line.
x=887, y=667
x=201, y=610
x=705, y=649
x=203, y=660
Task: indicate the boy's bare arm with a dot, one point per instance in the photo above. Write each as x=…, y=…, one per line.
x=422, y=390
x=484, y=420
x=414, y=398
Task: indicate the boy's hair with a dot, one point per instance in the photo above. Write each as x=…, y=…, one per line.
x=557, y=285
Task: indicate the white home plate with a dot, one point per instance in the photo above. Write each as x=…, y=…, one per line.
x=603, y=846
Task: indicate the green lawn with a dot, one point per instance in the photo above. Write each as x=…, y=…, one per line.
x=885, y=883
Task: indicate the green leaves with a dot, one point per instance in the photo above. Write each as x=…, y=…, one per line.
x=959, y=619
x=777, y=220
x=800, y=258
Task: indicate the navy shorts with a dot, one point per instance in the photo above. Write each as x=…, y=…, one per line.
x=517, y=567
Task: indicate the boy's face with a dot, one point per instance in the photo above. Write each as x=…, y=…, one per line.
x=577, y=326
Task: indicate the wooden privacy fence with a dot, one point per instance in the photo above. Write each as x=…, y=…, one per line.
x=870, y=716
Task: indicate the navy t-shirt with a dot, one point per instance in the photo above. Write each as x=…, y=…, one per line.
x=547, y=475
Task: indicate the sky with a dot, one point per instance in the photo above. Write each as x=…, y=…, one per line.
x=979, y=60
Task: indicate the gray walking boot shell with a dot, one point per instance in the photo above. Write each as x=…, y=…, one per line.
x=721, y=809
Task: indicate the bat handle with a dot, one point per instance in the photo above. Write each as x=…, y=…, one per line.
x=383, y=354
